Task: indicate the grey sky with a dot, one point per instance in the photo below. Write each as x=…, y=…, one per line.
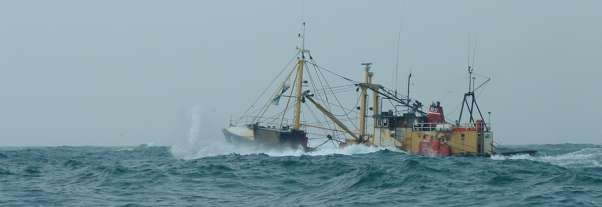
x=129, y=72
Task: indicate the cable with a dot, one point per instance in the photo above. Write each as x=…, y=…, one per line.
x=270, y=85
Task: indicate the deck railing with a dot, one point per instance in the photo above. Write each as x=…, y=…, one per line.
x=445, y=127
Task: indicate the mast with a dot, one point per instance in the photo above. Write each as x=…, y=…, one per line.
x=299, y=82
x=471, y=104
x=363, y=103
x=298, y=93
x=375, y=106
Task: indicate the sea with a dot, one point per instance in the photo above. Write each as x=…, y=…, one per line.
x=147, y=175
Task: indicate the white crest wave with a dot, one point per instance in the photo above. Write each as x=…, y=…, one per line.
x=587, y=157
x=204, y=139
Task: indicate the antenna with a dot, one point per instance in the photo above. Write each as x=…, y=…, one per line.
x=396, y=75
x=469, y=101
x=472, y=84
x=301, y=36
x=474, y=52
x=409, y=82
x=470, y=78
x=470, y=63
x=474, y=80
x=468, y=52
x=303, y=10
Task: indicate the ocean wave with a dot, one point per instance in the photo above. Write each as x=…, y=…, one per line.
x=226, y=149
x=4, y=171
x=356, y=176
x=201, y=141
x=583, y=158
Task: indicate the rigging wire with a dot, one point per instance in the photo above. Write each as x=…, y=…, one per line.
x=314, y=86
x=336, y=98
x=331, y=72
x=269, y=102
x=270, y=85
x=322, y=85
x=288, y=101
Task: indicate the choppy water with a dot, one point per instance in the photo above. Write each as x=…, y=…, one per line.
x=563, y=175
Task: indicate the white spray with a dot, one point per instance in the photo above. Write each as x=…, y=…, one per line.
x=204, y=139
x=587, y=157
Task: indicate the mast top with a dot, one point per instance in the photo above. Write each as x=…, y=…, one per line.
x=471, y=79
x=367, y=65
x=301, y=36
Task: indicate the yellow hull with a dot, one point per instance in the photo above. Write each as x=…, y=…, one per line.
x=442, y=142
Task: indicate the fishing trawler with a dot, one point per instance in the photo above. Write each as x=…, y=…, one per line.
x=329, y=108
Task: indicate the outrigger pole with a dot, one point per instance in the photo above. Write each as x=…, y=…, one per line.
x=380, y=90
x=330, y=115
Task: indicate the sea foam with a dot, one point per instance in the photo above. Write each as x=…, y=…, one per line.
x=587, y=157
x=204, y=140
